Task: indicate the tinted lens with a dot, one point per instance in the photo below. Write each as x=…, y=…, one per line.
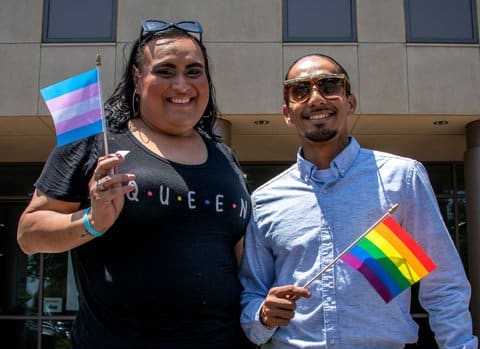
x=154, y=25
x=190, y=26
x=330, y=87
x=300, y=90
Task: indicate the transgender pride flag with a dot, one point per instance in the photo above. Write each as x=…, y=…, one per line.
x=76, y=107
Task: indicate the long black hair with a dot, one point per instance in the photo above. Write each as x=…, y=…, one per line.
x=119, y=109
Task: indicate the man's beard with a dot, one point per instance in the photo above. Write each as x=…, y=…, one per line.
x=320, y=135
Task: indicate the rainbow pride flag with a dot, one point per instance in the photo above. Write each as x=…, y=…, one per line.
x=76, y=106
x=389, y=258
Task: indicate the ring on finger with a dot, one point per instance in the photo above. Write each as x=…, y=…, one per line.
x=100, y=186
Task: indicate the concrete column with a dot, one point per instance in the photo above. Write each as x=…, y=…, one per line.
x=222, y=128
x=472, y=191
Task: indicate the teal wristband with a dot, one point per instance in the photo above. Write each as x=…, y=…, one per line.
x=88, y=226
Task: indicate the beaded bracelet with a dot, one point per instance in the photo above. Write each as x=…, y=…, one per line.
x=88, y=226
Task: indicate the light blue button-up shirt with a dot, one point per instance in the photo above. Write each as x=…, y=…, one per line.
x=305, y=217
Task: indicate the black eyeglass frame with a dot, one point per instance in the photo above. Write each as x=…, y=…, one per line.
x=154, y=26
x=313, y=80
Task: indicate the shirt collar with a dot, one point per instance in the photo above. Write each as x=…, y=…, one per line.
x=338, y=166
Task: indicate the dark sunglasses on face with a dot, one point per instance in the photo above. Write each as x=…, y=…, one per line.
x=330, y=86
x=153, y=26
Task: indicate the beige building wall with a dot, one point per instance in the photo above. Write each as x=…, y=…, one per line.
x=402, y=88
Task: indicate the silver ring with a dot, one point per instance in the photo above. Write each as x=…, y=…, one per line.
x=100, y=186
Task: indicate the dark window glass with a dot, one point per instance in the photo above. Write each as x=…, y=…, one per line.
x=18, y=334
x=19, y=273
x=56, y=334
x=79, y=21
x=441, y=177
x=258, y=174
x=18, y=180
x=460, y=179
x=319, y=20
x=447, y=207
x=60, y=296
x=462, y=231
x=443, y=21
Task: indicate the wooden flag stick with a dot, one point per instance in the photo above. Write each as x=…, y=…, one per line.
x=98, y=63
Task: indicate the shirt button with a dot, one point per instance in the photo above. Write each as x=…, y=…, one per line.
x=332, y=341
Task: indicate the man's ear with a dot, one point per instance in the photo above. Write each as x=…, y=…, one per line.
x=352, y=104
x=286, y=115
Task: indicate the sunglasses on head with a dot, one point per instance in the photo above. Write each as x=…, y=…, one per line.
x=330, y=86
x=153, y=26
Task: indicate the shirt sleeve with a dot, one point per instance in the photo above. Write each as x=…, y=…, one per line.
x=68, y=169
x=445, y=292
x=256, y=275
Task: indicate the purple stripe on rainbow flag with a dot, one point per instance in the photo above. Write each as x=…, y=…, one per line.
x=76, y=106
x=370, y=275
x=375, y=265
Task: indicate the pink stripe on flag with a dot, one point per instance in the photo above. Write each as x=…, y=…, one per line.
x=74, y=97
x=78, y=121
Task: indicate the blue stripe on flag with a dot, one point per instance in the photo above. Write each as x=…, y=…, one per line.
x=69, y=85
x=79, y=133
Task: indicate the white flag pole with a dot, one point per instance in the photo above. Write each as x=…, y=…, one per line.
x=390, y=211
